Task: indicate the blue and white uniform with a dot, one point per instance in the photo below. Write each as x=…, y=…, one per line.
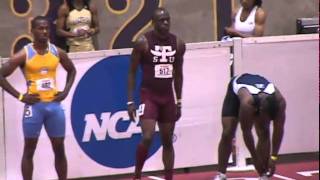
x=255, y=84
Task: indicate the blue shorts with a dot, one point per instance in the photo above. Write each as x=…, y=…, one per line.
x=49, y=114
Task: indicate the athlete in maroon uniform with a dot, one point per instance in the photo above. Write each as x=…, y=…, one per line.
x=160, y=55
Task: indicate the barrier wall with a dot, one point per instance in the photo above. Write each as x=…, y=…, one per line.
x=2, y=143
x=101, y=141
x=99, y=135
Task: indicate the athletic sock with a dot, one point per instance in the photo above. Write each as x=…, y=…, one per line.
x=168, y=174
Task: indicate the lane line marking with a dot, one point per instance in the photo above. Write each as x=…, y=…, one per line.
x=155, y=178
x=282, y=177
x=308, y=173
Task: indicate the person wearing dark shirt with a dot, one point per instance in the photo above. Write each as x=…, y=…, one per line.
x=160, y=55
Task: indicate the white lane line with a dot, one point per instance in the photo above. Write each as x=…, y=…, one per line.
x=155, y=178
x=243, y=178
x=308, y=173
x=282, y=177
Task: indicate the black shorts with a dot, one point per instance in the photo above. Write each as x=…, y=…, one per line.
x=231, y=102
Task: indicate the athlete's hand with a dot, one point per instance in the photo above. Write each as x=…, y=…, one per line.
x=132, y=111
x=230, y=31
x=82, y=32
x=91, y=31
x=178, y=115
x=271, y=167
x=30, y=98
x=60, y=96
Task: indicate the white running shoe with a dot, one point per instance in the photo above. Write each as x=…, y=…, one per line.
x=220, y=176
x=264, y=177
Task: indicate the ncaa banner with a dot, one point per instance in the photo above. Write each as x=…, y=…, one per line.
x=100, y=138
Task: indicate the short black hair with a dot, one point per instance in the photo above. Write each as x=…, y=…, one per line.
x=35, y=20
x=258, y=3
x=71, y=7
x=157, y=10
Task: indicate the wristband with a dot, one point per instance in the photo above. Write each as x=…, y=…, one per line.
x=179, y=101
x=274, y=158
x=130, y=102
x=20, y=97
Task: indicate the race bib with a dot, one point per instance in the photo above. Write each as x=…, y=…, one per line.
x=45, y=84
x=163, y=70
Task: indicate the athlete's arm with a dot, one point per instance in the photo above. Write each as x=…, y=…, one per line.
x=17, y=60
x=8, y=68
x=246, y=118
x=139, y=47
x=68, y=65
x=278, y=124
x=95, y=28
x=229, y=30
x=260, y=21
x=233, y=16
x=278, y=130
x=61, y=20
x=178, y=69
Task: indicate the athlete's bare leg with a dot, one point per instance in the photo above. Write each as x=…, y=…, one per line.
x=30, y=145
x=59, y=157
x=148, y=130
x=166, y=131
x=229, y=125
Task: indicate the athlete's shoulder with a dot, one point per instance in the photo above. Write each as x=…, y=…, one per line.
x=53, y=49
x=180, y=41
x=260, y=11
x=64, y=9
x=234, y=12
x=19, y=57
x=93, y=7
x=260, y=15
x=141, y=43
x=181, y=45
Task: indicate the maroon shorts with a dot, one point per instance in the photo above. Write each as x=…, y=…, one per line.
x=160, y=107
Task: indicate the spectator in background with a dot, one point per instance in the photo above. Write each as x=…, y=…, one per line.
x=248, y=20
x=78, y=22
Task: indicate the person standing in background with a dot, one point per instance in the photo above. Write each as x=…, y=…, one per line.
x=247, y=21
x=78, y=22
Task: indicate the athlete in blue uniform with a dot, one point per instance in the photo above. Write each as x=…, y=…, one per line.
x=39, y=61
x=252, y=100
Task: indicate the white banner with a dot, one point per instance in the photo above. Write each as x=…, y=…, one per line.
x=99, y=138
